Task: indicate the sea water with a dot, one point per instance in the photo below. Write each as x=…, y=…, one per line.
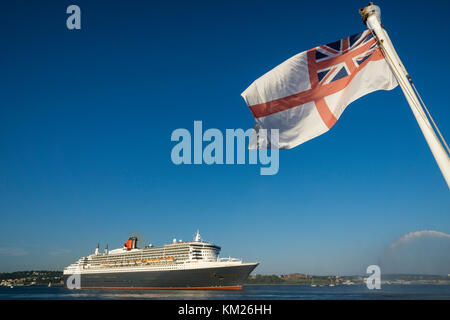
x=249, y=292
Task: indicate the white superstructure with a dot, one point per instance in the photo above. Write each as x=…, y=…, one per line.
x=173, y=256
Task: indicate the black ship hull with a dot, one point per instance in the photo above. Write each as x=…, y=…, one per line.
x=228, y=277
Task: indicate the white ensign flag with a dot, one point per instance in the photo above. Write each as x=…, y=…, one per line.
x=304, y=96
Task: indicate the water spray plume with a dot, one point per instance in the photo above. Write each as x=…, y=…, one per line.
x=417, y=234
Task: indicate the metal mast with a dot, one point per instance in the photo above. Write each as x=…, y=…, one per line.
x=372, y=18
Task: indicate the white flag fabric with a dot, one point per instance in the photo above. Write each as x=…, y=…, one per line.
x=304, y=96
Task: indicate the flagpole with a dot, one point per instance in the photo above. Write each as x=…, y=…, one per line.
x=371, y=17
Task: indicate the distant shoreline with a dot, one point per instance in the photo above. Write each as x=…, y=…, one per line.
x=389, y=279
x=55, y=278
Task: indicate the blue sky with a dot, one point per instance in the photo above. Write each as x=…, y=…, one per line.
x=86, y=118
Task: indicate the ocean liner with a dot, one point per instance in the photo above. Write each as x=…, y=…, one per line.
x=177, y=265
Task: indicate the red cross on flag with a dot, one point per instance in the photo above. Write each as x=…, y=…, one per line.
x=304, y=96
